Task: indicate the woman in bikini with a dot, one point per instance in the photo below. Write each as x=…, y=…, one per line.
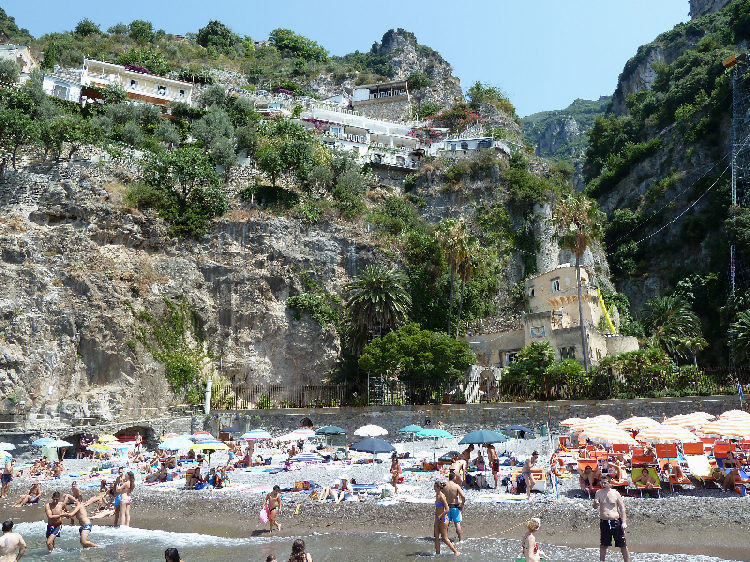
x=395, y=473
x=531, y=550
x=441, y=519
x=126, y=499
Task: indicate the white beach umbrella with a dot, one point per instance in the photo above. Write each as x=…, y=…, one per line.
x=738, y=428
x=371, y=431
x=571, y=421
x=636, y=422
x=666, y=434
x=609, y=435
x=734, y=415
x=59, y=444
x=689, y=421
x=7, y=446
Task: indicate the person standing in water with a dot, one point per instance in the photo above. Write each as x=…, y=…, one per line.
x=10, y=542
x=7, y=478
x=612, y=520
x=82, y=515
x=55, y=511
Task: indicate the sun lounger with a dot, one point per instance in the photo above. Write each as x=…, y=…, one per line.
x=582, y=464
x=666, y=468
x=700, y=468
x=539, y=475
x=641, y=487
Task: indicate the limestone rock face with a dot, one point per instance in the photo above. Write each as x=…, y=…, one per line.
x=638, y=79
x=73, y=263
x=700, y=8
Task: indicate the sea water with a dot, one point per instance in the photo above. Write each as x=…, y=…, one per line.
x=141, y=545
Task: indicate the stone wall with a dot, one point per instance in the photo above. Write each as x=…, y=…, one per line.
x=459, y=419
x=400, y=110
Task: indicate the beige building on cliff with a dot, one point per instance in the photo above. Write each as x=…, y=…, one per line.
x=553, y=316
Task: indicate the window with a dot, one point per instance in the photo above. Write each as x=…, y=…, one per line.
x=133, y=83
x=510, y=357
x=464, y=145
x=598, y=354
x=182, y=93
x=531, y=291
x=567, y=353
x=555, y=285
x=161, y=90
x=453, y=146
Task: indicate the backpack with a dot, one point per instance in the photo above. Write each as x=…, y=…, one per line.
x=520, y=484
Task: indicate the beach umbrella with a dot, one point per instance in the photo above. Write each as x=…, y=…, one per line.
x=373, y=445
x=256, y=434
x=688, y=421
x=209, y=446
x=371, y=431
x=100, y=448
x=175, y=443
x=58, y=444
x=666, y=434
x=482, y=437
x=42, y=442
x=291, y=436
x=609, y=435
x=435, y=433
x=307, y=457
x=106, y=438
x=636, y=422
x=7, y=446
x=726, y=427
x=735, y=415
x=304, y=433
x=202, y=435
x=330, y=430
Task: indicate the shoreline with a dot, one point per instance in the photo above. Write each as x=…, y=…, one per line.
x=654, y=524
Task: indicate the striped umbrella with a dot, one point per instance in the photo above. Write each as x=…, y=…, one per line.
x=726, y=428
x=100, y=448
x=689, y=421
x=636, y=422
x=666, y=434
x=609, y=435
x=256, y=434
x=571, y=421
x=307, y=457
x=590, y=423
x=175, y=443
x=735, y=415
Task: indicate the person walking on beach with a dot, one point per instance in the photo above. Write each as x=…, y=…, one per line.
x=273, y=506
x=395, y=474
x=440, y=526
x=126, y=498
x=9, y=542
x=298, y=552
x=531, y=550
x=456, y=500
x=55, y=511
x=84, y=530
x=7, y=477
x=612, y=519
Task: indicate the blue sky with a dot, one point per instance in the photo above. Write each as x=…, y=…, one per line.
x=542, y=53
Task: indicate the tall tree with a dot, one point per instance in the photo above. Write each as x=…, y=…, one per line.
x=451, y=235
x=578, y=222
x=377, y=300
x=740, y=332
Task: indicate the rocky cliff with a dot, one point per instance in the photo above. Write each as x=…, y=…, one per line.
x=700, y=8
x=74, y=262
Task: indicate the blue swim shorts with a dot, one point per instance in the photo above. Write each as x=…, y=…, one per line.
x=454, y=514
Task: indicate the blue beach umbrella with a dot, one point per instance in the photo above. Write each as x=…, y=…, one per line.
x=373, y=445
x=42, y=442
x=435, y=434
x=410, y=429
x=330, y=430
x=256, y=434
x=482, y=437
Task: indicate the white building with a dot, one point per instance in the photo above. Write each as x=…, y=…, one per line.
x=142, y=87
x=457, y=147
x=63, y=84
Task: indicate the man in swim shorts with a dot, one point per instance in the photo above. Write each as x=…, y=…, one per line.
x=7, y=477
x=55, y=511
x=612, y=520
x=84, y=521
x=9, y=542
x=273, y=505
x=456, y=500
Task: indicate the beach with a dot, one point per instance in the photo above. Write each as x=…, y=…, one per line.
x=693, y=522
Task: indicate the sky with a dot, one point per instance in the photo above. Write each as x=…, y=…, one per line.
x=542, y=54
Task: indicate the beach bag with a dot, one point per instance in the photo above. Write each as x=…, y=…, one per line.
x=263, y=515
x=520, y=484
x=314, y=495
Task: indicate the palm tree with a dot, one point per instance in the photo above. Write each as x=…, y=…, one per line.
x=670, y=322
x=465, y=272
x=451, y=235
x=578, y=222
x=377, y=300
x=740, y=333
